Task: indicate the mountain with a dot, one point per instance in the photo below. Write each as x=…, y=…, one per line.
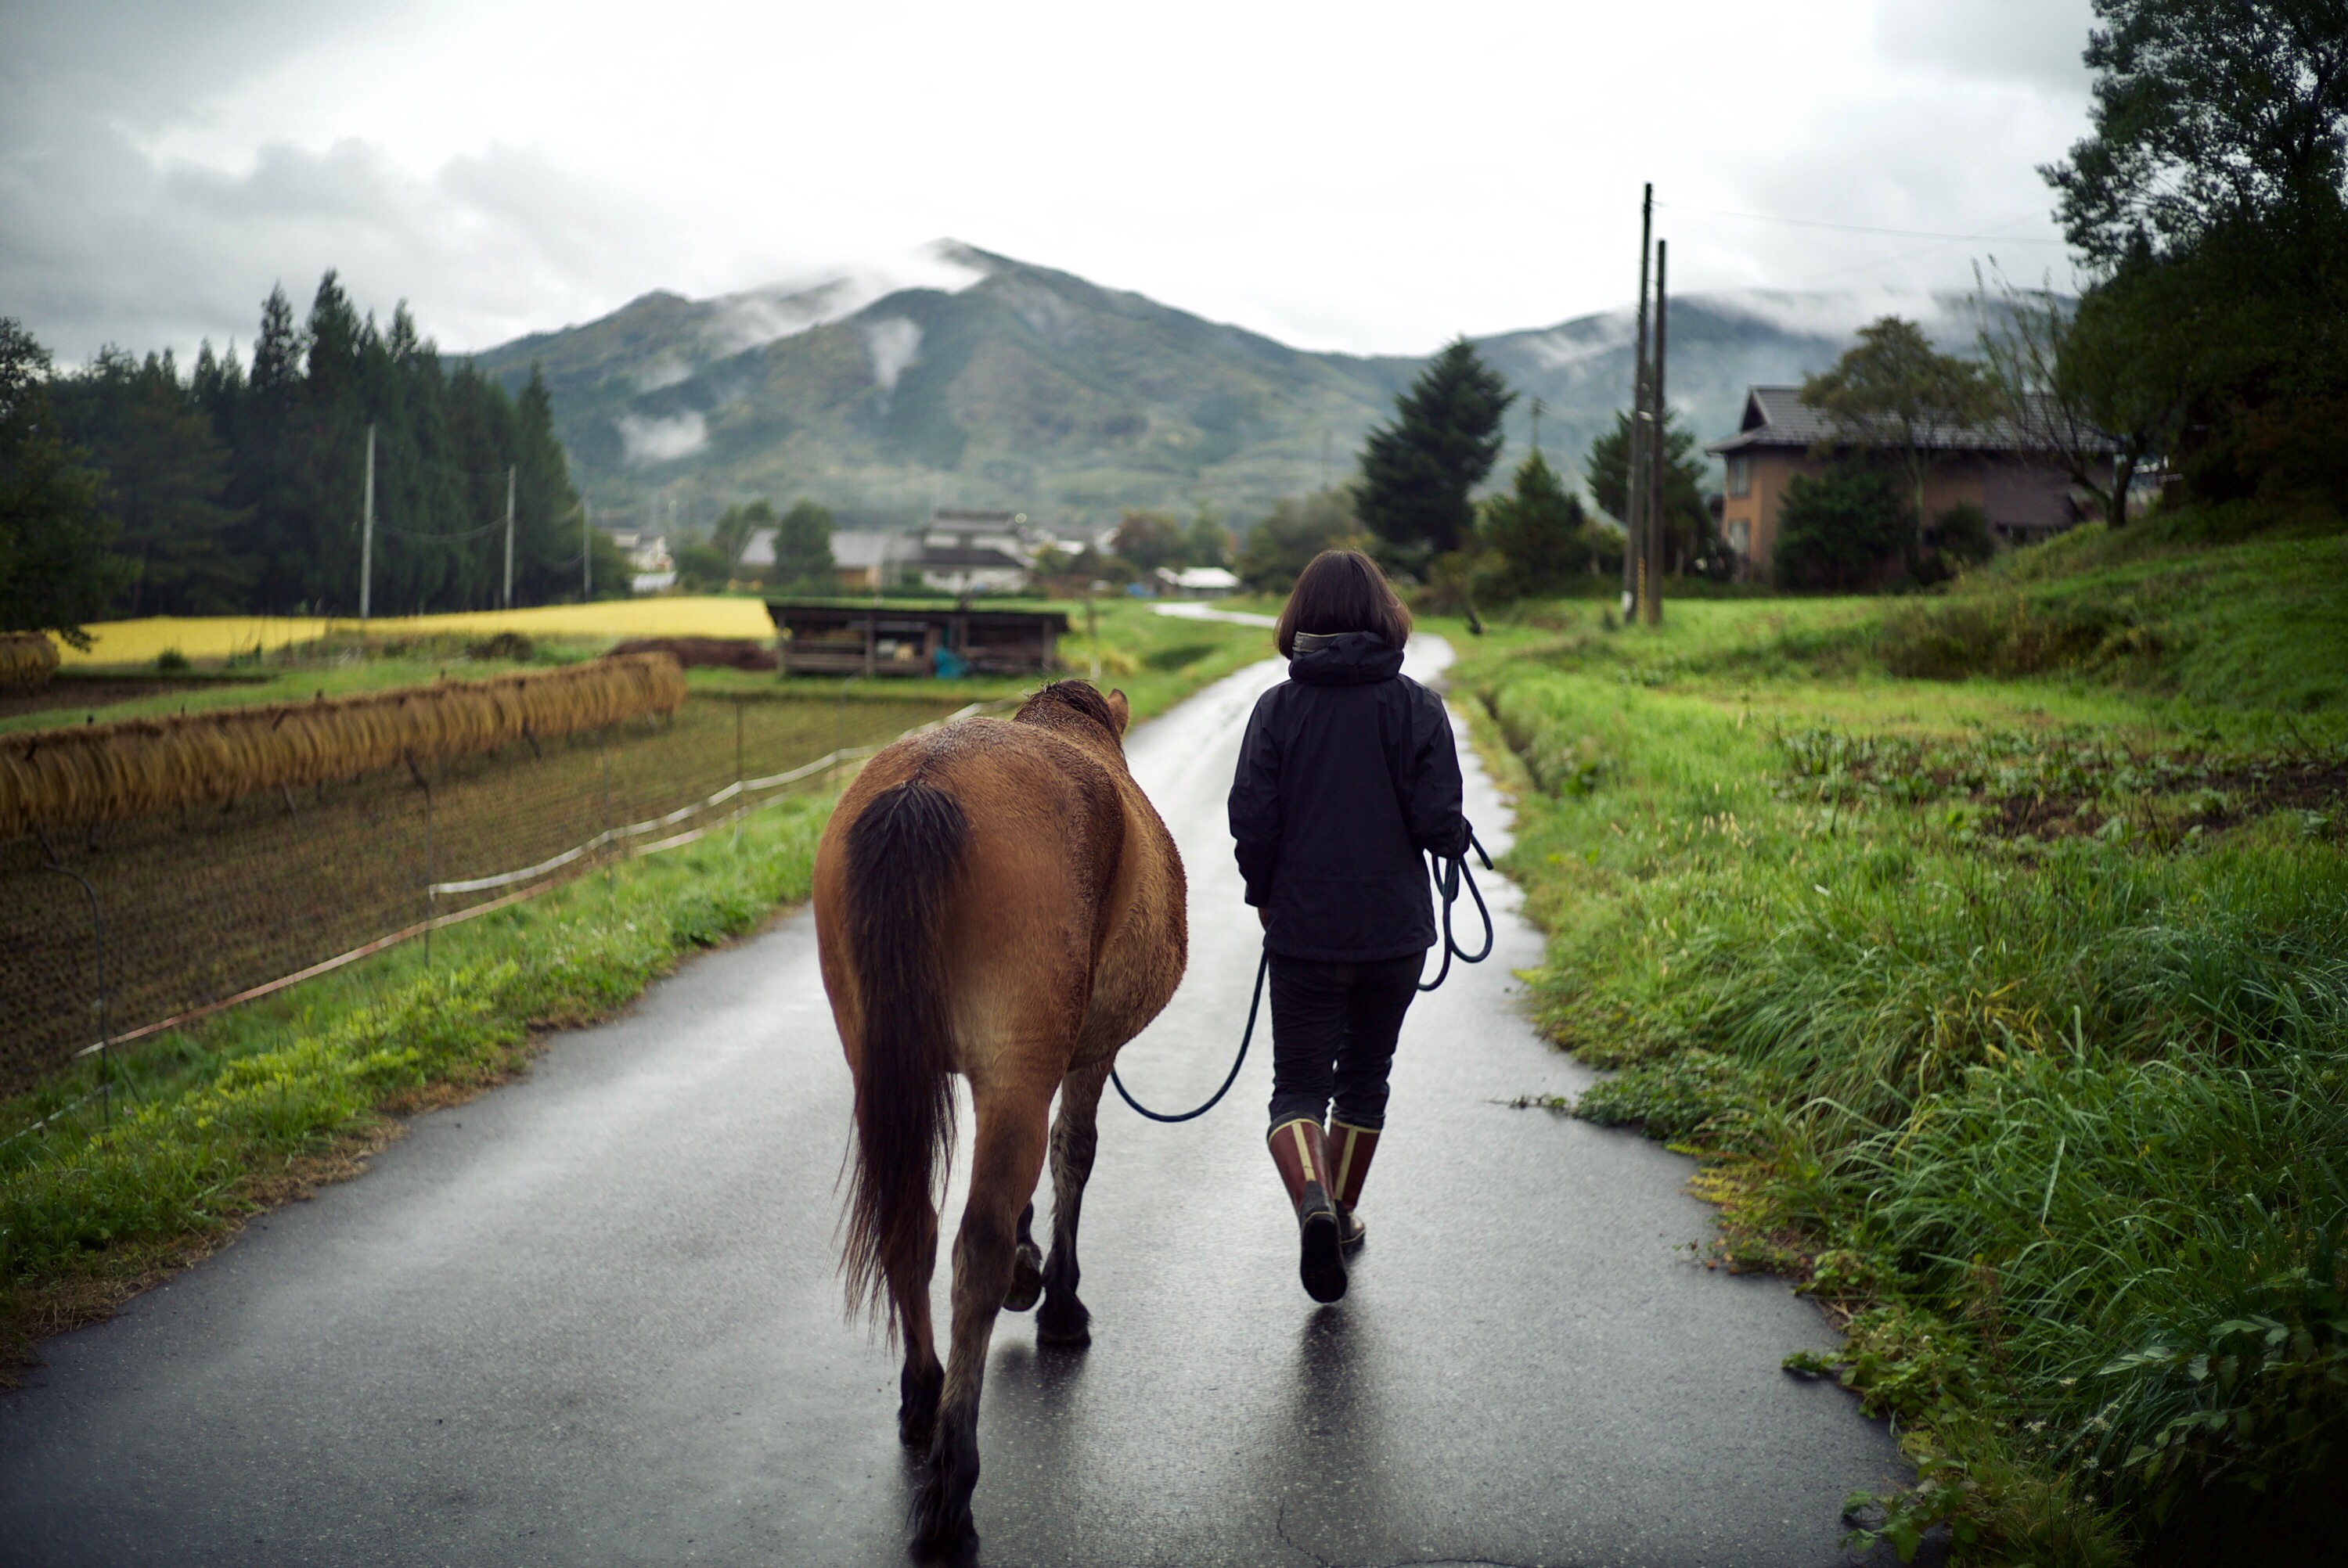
x=1008, y=384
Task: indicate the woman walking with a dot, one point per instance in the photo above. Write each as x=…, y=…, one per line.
x=1348, y=777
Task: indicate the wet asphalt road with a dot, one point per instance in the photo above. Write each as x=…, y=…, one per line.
x=592, y=1318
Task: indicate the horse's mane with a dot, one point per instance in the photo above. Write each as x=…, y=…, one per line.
x=1078, y=697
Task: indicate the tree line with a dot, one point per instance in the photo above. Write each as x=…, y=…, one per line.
x=129, y=488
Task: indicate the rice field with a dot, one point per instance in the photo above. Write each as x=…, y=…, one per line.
x=85, y=775
x=224, y=637
x=205, y=903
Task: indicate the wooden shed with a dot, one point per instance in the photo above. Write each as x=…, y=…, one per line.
x=821, y=638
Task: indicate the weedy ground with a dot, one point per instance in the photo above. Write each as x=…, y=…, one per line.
x=128, y=1167
x=2006, y=1010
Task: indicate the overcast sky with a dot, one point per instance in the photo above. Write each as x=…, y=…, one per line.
x=1362, y=175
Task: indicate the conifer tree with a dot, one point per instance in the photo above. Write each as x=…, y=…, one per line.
x=1539, y=532
x=1417, y=473
x=56, y=570
x=165, y=473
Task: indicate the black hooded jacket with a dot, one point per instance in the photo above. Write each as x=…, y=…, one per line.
x=1348, y=774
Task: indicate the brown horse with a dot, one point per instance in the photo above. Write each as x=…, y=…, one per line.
x=997, y=898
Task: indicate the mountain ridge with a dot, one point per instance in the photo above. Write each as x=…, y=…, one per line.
x=995, y=381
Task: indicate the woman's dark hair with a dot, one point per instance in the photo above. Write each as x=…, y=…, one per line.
x=1341, y=590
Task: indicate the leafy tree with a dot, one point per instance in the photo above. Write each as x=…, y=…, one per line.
x=2208, y=115
x=165, y=473
x=702, y=566
x=803, y=547
x=1538, y=532
x=2100, y=402
x=1836, y=531
x=1894, y=393
x=1297, y=529
x=1206, y=542
x=56, y=571
x=1146, y=540
x=2212, y=198
x=732, y=533
x=1417, y=473
x=1687, y=519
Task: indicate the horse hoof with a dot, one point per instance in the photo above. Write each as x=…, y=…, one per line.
x=1027, y=1280
x=957, y=1548
x=1064, y=1324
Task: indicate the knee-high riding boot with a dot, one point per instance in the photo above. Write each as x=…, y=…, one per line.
x=1350, y=1151
x=1301, y=1155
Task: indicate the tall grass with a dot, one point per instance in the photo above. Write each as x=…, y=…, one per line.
x=2061, y=1124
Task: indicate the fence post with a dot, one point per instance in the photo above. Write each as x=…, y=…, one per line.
x=431, y=872
x=97, y=930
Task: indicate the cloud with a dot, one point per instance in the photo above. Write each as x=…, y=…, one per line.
x=893, y=343
x=649, y=440
x=162, y=163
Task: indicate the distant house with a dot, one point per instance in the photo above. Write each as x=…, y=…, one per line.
x=822, y=639
x=650, y=569
x=1196, y=581
x=2025, y=497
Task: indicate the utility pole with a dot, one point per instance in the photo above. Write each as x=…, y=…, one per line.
x=586, y=550
x=1634, y=476
x=366, y=531
x=1658, y=489
x=509, y=493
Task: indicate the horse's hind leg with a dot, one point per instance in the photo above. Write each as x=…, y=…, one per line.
x=1005, y=1159
x=1026, y=1264
x=919, y=1385
x=1074, y=1136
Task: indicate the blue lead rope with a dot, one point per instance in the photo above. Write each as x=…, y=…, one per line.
x=1446, y=880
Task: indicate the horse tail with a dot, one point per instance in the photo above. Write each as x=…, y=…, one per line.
x=905, y=850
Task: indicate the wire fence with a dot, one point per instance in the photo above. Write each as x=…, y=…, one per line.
x=118, y=933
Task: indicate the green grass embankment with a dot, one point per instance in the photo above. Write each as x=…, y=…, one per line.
x=2010, y=1016
x=116, y=1174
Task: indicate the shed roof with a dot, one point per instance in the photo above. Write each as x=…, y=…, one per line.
x=1776, y=416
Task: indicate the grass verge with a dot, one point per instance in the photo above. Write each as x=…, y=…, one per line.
x=209, y=1125
x=2008, y=1016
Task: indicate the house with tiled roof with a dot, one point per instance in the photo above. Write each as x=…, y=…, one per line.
x=2026, y=497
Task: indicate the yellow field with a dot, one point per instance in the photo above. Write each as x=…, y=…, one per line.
x=217, y=637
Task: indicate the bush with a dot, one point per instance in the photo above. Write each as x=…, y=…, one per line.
x=2007, y=635
x=1837, y=530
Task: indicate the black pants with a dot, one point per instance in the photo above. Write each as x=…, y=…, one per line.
x=1334, y=1028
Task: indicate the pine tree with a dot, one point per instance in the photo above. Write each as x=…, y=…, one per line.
x=56, y=570
x=165, y=473
x=1539, y=532
x=1687, y=520
x=1417, y=473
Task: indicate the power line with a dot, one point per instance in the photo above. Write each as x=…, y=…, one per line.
x=1867, y=228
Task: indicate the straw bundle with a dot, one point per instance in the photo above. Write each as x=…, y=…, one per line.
x=27, y=659
x=109, y=772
